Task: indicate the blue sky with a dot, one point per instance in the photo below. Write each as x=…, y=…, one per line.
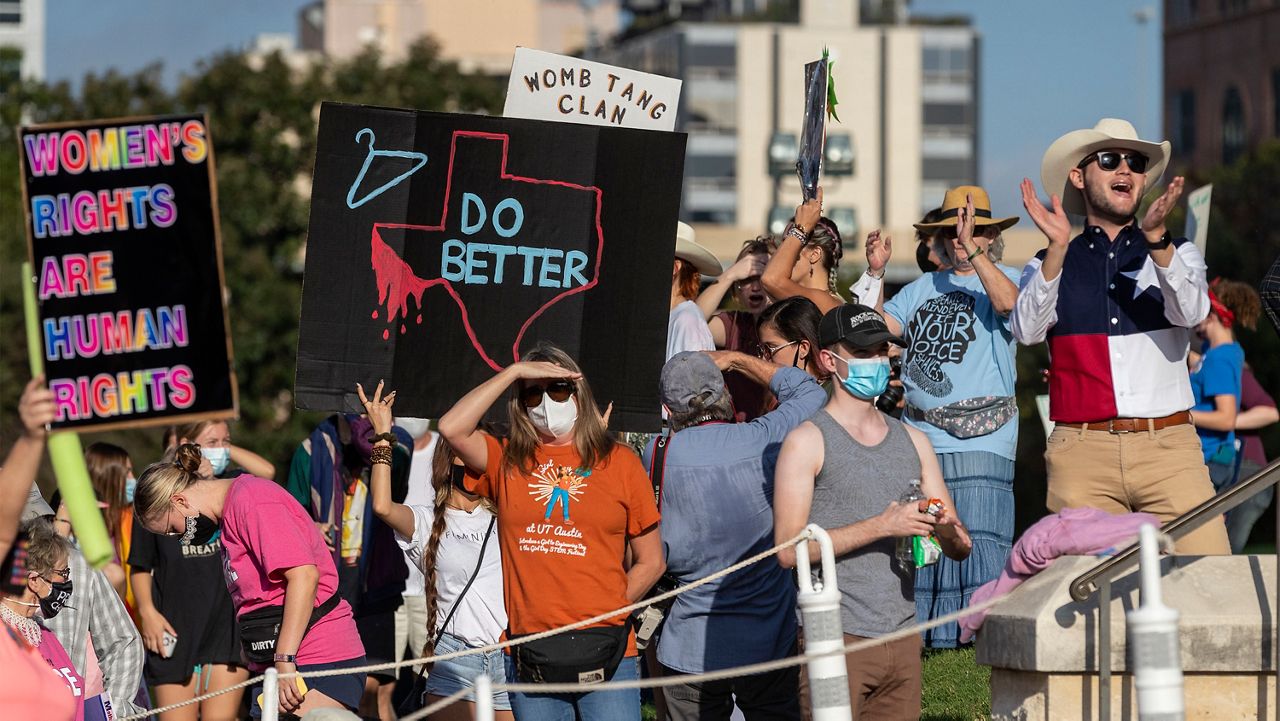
x=1047, y=66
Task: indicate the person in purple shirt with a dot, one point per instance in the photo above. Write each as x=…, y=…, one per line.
x=1257, y=411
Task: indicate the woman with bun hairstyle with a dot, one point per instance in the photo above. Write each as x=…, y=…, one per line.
x=808, y=260
x=277, y=568
x=571, y=504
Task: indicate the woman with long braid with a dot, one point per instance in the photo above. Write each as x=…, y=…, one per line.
x=808, y=260
x=463, y=590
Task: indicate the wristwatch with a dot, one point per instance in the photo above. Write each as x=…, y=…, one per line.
x=286, y=658
x=1165, y=241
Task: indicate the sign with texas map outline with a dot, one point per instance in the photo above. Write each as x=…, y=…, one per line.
x=443, y=246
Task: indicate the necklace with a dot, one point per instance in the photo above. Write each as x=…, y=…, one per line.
x=29, y=629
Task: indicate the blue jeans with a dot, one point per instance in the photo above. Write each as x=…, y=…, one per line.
x=600, y=705
x=449, y=677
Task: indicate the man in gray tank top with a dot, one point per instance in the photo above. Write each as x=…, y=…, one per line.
x=845, y=469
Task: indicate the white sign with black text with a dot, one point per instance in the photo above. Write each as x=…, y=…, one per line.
x=547, y=86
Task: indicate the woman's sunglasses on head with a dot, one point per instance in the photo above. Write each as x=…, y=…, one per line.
x=558, y=391
x=1110, y=160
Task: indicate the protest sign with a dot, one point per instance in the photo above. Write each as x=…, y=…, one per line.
x=1198, y=215
x=813, y=132
x=546, y=86
x=122, y=234
x=442, y=246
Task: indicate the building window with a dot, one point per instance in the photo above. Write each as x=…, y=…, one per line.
x=1183, y=121
x=1233, y=130
x=1182, y=12
x=946, y=64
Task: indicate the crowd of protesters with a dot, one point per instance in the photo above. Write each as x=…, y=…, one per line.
x=390, y=540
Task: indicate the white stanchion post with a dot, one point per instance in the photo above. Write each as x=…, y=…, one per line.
x=271, y=694
x=484, y=698
x=1153, y=643
x=820, y=608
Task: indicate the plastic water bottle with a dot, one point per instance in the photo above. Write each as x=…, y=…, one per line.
x=904, y=553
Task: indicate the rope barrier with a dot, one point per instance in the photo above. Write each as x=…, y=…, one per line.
x=799, y=538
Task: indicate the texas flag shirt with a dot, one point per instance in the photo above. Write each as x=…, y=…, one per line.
x=1118, y=326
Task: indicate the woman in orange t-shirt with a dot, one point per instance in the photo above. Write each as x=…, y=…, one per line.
x=571, y=503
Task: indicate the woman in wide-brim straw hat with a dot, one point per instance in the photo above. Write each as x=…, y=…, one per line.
x=958, y=371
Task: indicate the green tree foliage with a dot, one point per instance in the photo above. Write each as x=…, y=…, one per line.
x=262, y=120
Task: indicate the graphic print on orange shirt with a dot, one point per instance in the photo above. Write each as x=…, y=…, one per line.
x=557, y=486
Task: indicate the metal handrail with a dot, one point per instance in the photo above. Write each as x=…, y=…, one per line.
x=1086, y=583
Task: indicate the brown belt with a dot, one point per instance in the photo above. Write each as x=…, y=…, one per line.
x=1134, y=425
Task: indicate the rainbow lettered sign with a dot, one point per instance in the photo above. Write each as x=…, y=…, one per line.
x=122, y=233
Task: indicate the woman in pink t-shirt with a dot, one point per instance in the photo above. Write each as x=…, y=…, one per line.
x=277, y=568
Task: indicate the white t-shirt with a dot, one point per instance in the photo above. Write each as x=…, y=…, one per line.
x=420, y=494
x=481, y=618
x=687, y=330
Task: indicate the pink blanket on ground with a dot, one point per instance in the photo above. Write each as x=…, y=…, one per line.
x=1072, y=532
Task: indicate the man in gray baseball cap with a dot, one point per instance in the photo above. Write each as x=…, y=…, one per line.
x=715, y=480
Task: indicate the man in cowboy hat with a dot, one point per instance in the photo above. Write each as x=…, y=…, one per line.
x=686, y=326
x=1117, y=304
x=958, y=371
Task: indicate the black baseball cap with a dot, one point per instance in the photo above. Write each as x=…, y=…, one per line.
x=856, y=325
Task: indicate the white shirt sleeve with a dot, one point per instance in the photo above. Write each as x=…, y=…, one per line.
x=1183, y=287
x=687, y=330
x=1036, y=310
x=866, y=289
x=415, y=547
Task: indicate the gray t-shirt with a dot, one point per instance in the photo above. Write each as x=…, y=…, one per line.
x=858, y=482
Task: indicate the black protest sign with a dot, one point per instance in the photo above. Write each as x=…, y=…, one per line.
x=122, y=233
x=443, y=246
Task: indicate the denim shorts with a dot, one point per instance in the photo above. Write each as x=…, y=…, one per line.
x=346, y=689
x=449, y=677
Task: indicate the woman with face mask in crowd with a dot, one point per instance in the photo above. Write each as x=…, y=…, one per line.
x=226, y=460
x=111, y=474
x=47, y=590
x=788, y=333
x=571, y=504
x=187, y=621
x=453, y=542
x=281, y=576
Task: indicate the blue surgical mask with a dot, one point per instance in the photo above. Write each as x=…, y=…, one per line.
x=866, y=378
x=130, y=485
x=218, y=458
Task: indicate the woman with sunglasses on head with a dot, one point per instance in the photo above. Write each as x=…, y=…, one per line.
x=571, y=504
x=788, y=333
x=807, y=262
x=277, y=568
x=453, y=542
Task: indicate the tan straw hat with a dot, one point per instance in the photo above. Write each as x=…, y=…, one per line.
x=686, y=249
x=956, y=198
x=1067, y=152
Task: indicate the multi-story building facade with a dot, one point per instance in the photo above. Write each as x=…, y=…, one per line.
x=1221, y=79
x=21, y=40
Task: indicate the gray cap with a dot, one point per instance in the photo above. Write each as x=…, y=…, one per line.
x=36, y=505
x=691, y=382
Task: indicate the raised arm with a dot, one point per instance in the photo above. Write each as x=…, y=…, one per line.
x=35, y=409
x=711, y=297
x=1002, y=292
x=879, y=251
x=252, y=462
x=776, y=278
x=1036, y=309
x=397, y=515
x=461, y=425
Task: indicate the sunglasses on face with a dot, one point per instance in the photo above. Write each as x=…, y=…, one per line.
x=1110, y=160
x=64, y=573
x=767, y=352
x=558, y=391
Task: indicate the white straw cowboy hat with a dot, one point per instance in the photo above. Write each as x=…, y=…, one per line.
x=957, y=198
x=687, y=250
x=1110, y=133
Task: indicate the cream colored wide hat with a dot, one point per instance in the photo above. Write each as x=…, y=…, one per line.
x=1067, y=152
x=686, y=249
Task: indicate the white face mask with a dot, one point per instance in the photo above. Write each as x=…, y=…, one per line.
x=415, y=427
x=554, y=418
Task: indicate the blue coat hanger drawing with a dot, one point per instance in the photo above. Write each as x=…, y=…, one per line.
x=420, y=161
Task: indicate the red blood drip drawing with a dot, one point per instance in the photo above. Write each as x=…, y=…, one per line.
x=375, y=313
x=396, y=280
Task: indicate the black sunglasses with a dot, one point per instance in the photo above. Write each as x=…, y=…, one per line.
x=1110, y=160
x=558, y=391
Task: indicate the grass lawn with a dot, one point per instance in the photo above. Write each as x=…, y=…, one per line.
x=956, y=688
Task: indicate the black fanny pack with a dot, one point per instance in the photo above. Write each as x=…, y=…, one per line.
x=587, y=655
x=259, y=629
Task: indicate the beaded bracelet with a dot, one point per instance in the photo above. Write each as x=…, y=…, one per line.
x=381, y=454
x=798, y=234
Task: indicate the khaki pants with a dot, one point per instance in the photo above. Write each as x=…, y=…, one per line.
x=1157, y=472
x=884, y=680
